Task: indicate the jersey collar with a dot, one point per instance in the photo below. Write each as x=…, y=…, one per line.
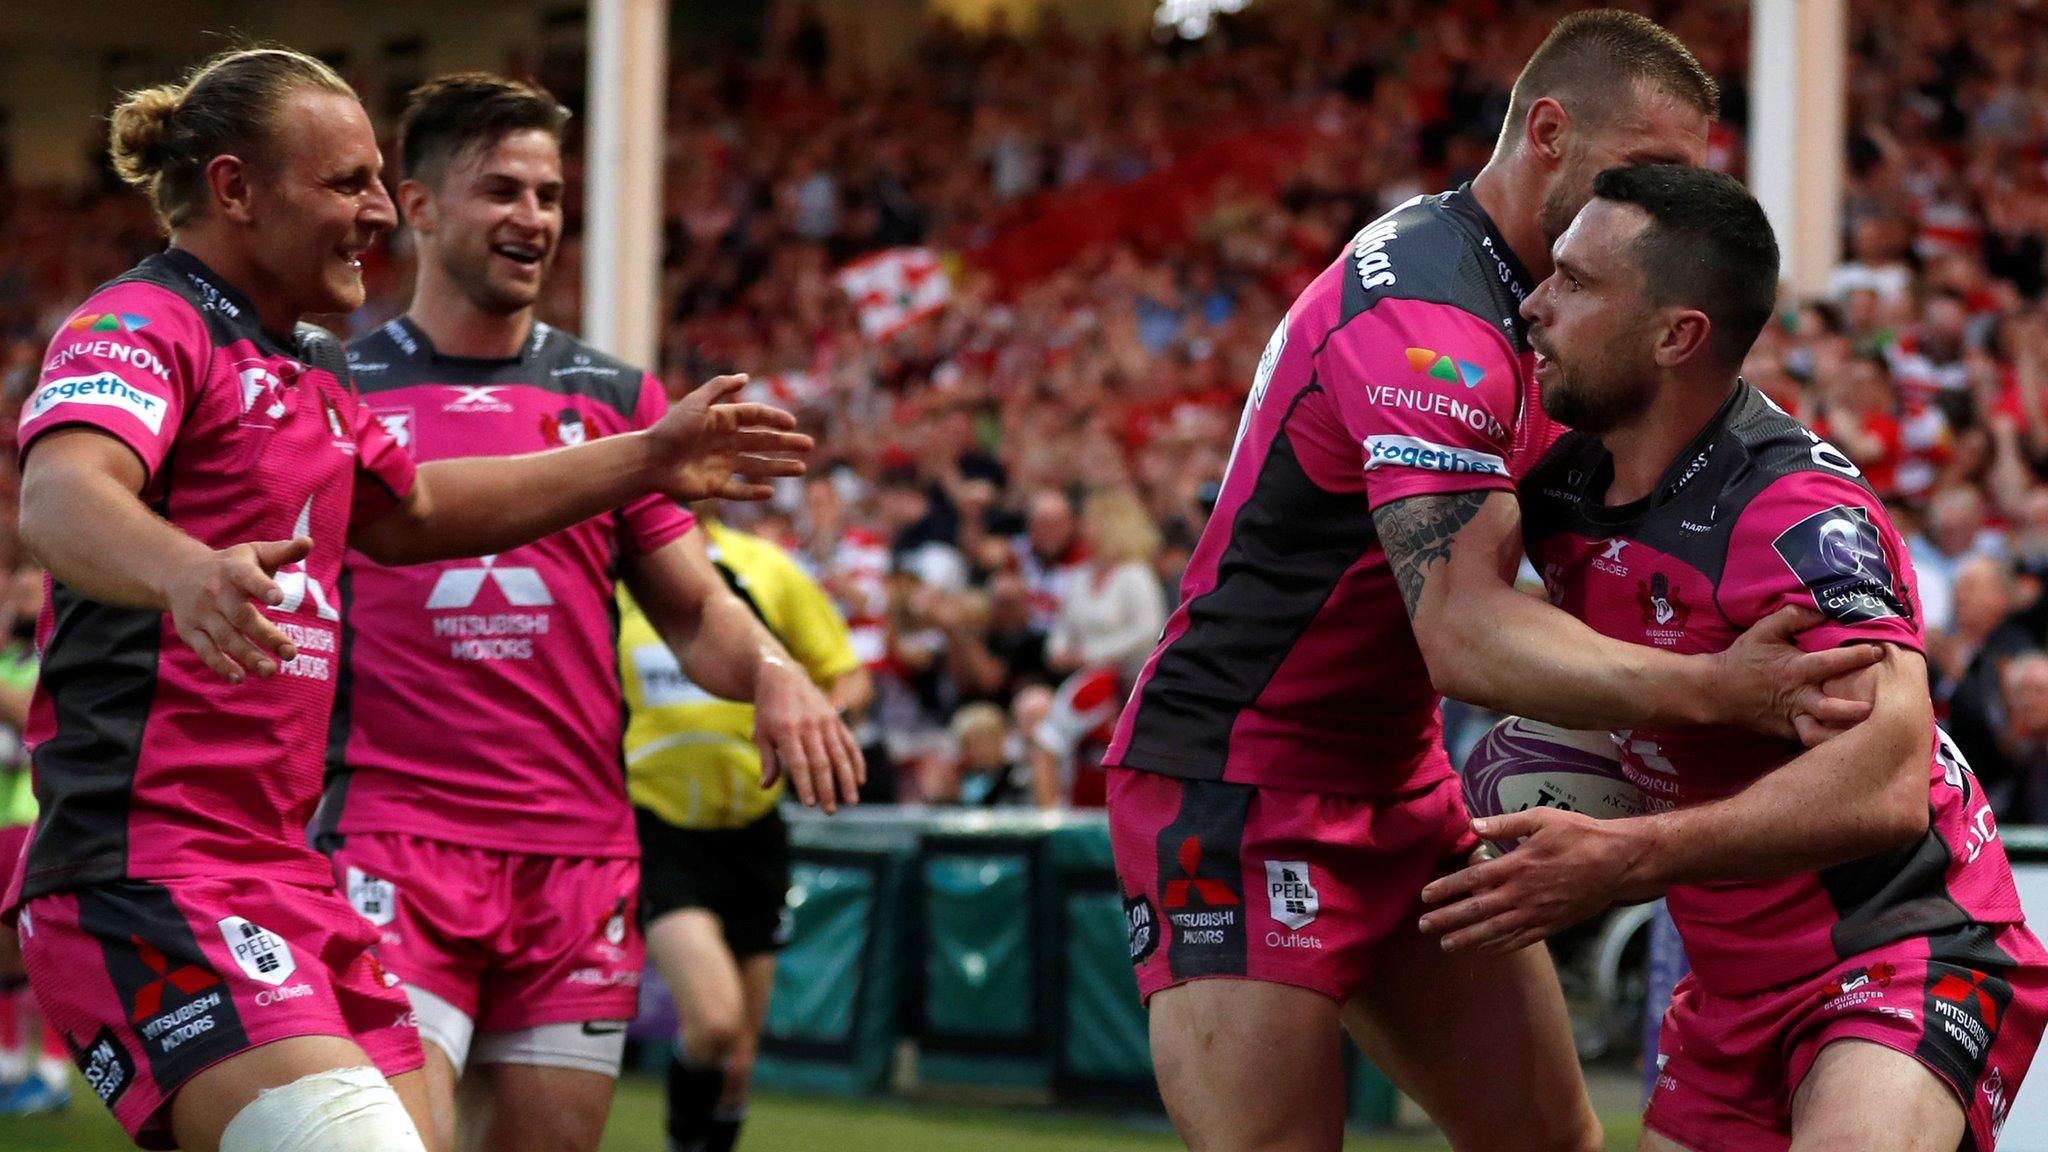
x=1687, y=466
x=1462, y=203
x=536, y=336
x=216, y=294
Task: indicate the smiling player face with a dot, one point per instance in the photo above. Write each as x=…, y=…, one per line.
x=320, y=205
x=494, y=222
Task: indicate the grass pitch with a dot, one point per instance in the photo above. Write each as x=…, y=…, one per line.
x=778, y=1123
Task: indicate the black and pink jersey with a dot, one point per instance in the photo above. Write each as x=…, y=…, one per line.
x=1757, y=514
x=1402, y=370
x=147, y=764
x=480, y=698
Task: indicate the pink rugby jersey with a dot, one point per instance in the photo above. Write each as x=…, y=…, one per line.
x=480, y=698
x=147, y=764
x=1756, y=514
x=1402, y=370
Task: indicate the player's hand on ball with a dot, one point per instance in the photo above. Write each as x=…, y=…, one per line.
x=799, y=733
x=709, y=446
x=1568, y=866
x=1769, y=683
x=211, y=603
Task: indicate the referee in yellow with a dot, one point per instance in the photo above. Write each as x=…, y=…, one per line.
x=714, y=852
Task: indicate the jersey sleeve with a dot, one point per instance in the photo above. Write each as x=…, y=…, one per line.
x=385, y=472
x=652, y=520
x=1430, y=393
x=813, y=630
x=1822, y=541
x=128, y=363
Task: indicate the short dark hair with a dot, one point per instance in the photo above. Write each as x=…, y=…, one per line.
x=450, y=114
x=1591, y=57
x=1709, y=246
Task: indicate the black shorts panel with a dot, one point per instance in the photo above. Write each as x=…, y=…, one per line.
x=741, y=875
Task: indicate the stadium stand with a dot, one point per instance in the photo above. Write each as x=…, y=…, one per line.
x=1114, y=273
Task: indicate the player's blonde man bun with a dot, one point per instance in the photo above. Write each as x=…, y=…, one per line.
x=161, y=139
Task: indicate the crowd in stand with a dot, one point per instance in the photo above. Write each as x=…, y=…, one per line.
x=1007, y=491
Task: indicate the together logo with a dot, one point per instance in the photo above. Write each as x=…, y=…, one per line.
x=1413, y=452
x=105, y=390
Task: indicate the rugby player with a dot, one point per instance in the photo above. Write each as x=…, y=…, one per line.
x=195, y=462
x=1283, y=793
x=1861, y=973
x=476, y=807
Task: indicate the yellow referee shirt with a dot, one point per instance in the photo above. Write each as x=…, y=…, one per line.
x=690, y=756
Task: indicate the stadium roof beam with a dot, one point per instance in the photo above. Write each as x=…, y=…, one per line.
x=1796, y=131
x=622, y=177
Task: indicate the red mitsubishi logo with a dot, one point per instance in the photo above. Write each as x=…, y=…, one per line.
x=189, y=978
x=1957, y=990
x=1214, y=893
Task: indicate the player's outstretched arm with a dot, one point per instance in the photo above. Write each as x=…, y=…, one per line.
x=705, y=446
x=83, y=517
x=1859, y=794
x=726, y=650
x=1454, y=556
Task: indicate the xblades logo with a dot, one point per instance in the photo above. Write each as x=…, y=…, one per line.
x=189, y=979
x=474, y=398
x=1214, y=893
x=521, y=587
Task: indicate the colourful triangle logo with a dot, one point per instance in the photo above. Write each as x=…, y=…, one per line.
x=1432, y=363
x=108, y=322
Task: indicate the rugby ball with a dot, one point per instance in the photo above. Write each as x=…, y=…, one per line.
x=1525, y=764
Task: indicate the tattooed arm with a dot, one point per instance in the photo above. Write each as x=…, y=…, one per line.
x=1454, y=557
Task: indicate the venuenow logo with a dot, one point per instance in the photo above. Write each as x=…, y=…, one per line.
x=1411, y=452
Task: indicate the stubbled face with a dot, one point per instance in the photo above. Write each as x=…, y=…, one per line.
x=1658, y=128
x=319, y=206
x=494, y=221
x=1592, y=323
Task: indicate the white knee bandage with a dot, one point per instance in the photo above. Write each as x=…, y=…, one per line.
x=342, y=1110
x=593, y=1046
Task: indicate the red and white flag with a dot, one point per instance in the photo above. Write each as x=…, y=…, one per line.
x=894, y=289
